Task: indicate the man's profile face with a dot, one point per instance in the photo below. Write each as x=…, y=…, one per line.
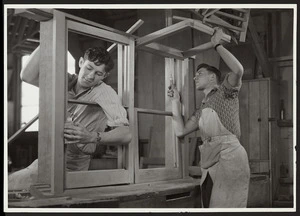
x=202, y=79
x=90, y=74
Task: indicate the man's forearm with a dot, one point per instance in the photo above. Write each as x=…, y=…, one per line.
x=119, y=136
x=177, y=118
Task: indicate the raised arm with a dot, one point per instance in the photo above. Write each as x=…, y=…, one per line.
x=180, y=128
x=30, y=72
x=234, y=65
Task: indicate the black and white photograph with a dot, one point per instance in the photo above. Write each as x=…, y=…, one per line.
x=150, y=108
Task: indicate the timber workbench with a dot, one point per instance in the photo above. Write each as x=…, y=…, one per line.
x=182, y=193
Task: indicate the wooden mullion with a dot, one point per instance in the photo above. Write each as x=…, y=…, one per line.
x=186, y=113
x=258, y=50
x=120, y=94
x=131, y=30
x=131, y=76
x=58, y=101
x=169, y=130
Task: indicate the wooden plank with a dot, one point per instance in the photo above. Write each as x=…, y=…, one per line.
x=45, y=109
x=32, y=30
x=281, y=58
x=155, y=112
x=216, y=20
x=245, y=26
x=15, y=29
x=131, y=83
x=163, y=50
x=186, y=113
x=198, y=25
x=131, y=30
x=212, y=11
x=20, y=131
x=96, y=32
x=197, y=49
x=121, y=60
x=264, y=115
x=169, y=130
x=258, y=49
x=157, y=174
x=58, y=102
x=22, y=30
x=91, y=178
x=274, y=136
x=230, y=16
x=162, y=33
x=254, y=126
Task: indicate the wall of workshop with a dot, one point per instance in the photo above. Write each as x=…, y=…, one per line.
x=287, y=82
x=281, y=46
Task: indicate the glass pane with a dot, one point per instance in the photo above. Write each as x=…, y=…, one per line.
x=90, y=156
x=154, y=140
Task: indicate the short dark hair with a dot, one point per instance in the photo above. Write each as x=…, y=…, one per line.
x=98, y=56
x=210, y=69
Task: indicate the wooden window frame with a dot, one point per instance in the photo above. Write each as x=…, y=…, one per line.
x=53, y=35
x=53, y=44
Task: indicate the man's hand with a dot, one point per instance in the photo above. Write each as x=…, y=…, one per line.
x=217, y=36
x=173, y=93
x=77, y=133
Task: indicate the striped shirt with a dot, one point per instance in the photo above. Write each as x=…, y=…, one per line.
x=110, y=112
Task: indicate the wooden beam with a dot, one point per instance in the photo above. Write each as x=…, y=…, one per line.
x=198, y=49
x=162, y=50
x=27, y=36
x=35, y=14
x=245, y=26
x=20, y=131
x=162, y=33
x=198, y=25
x=231, y=16
x=282, y=58
x=211, y=12
x=52, y=81
x=258, y=49
x=15, y=29
x=94, y=31
x=217, y=20
x=131, y=30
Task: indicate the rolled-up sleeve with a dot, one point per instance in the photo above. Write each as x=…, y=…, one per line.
x=229, y=90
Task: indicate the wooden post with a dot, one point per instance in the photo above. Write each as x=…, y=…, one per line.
x=170, y=145
x=52, y=82
x=130, y=103
x=185, y=91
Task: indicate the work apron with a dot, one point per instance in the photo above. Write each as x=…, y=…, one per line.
x=226, y=161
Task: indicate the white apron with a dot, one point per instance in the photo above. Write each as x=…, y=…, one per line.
x=226, y=160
